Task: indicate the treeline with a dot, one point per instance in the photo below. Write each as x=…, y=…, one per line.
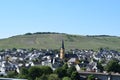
x=46, y=73
x=100, y=36
x=43, y=33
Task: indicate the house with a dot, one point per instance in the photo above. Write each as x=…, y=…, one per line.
x=81, y=66
x=92, y=67
x=56, y=62
x=8, y=66
x=71, y=61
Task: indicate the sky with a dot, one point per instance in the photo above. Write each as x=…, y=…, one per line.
x=81, y=17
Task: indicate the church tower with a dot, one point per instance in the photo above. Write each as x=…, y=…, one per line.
x=62, y=51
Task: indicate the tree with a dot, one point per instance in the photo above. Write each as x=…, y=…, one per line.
x=14, y=49
x=43, y=77
x=34, y=72
x=53, y=77
x=23, y=73
x=112, y=66
x=65, y=66
x=75, y=75
x=61, y=72
x=91, y=77
x=28, y=34
x=12, y=74
x=46, y=69
x=2, y=50
x=100, y=67
x=70, y=70
x=66, y=78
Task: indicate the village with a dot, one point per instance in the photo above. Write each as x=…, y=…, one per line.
x=83, y=60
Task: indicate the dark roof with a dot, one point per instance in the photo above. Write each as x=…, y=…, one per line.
x=71, y=56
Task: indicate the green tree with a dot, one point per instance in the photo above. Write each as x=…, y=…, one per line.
x=75, y=76
x=14, y=49
x=2, y=50
x=112, y=66
x=70, y=70
x=66, y=78
x=91, y=77
x=12, y=74
x=65, y=66
x=23, y=73
x=34, y=72
x=46, y=69
x=100, y=67
x=28, y=34
x=43, y=77
x=53, y=77
x=61, y=72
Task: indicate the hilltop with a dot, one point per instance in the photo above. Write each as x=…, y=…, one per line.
x=48, y=40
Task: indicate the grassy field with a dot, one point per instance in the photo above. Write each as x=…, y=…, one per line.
x=53, y=41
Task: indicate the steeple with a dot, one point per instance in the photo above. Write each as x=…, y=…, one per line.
x=62, y=51
x=62, y=45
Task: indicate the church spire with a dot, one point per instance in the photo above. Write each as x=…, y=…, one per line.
x=62, y=51
x=63, y=44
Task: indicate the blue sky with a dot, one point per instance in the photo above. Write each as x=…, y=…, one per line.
x=84, y=17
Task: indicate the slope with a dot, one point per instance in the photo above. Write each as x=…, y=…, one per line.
x=53, y=41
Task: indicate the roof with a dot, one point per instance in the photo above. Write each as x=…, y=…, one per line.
x=71, y=56
x=72, y=60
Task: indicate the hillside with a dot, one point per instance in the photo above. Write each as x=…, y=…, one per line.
x=53, y=41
